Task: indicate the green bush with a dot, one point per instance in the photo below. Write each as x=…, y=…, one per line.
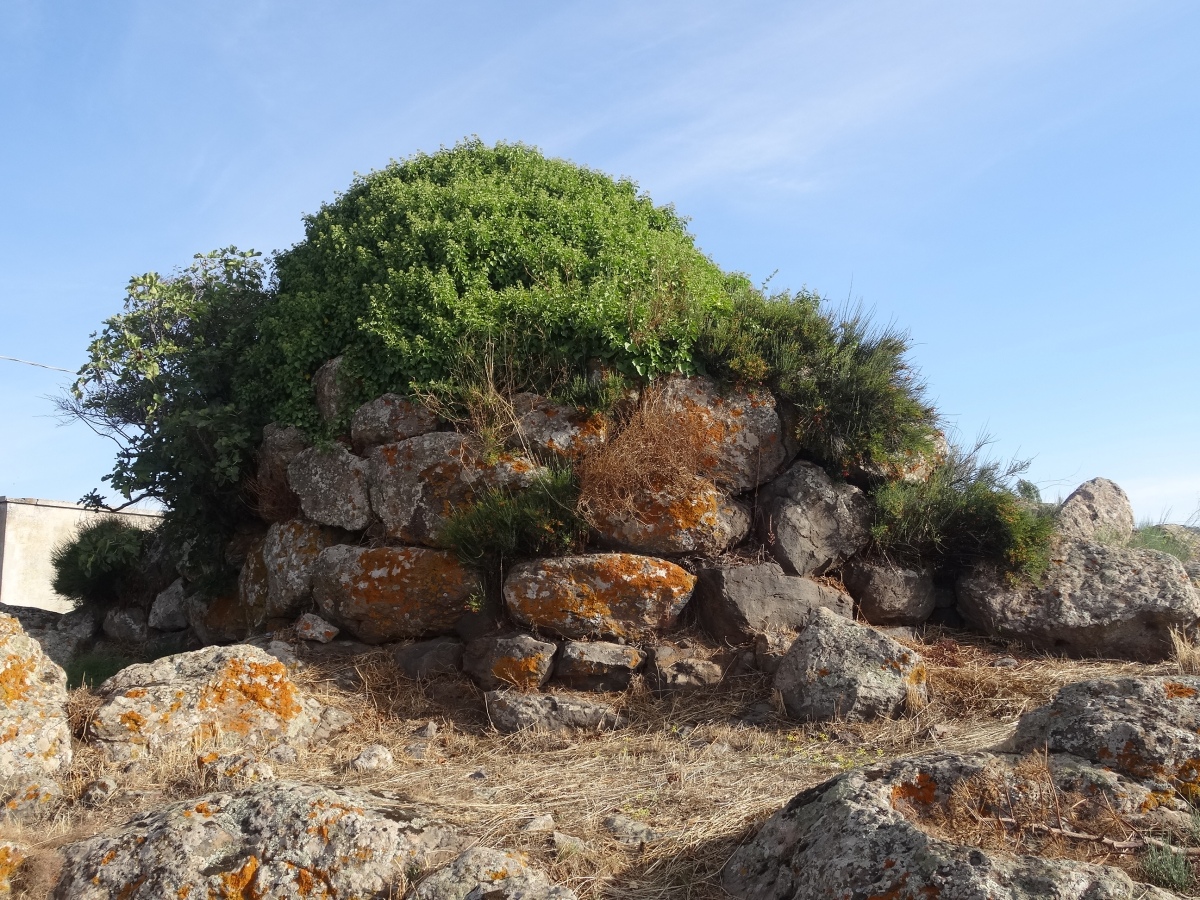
x=100, y=563
x=1167, y=868
x=968, y=511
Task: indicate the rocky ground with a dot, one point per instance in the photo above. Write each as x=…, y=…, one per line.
x=655, y=809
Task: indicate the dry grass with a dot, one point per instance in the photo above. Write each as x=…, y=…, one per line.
x=1186, y=653
x=659, y=447
x=702, y=768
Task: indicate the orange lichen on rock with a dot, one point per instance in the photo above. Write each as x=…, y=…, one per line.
x=1176, y=691
x=16, y=677
x=922, y=790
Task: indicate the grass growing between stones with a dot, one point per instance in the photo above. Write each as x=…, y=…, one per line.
x=701, y=768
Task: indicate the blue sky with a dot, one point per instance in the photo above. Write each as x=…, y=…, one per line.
x=1017, y=183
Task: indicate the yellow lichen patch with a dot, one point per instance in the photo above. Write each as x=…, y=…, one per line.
x=11, y=858
x=519, y=671
x=1176, y=691
x=922, y=790
x=239, y=885
x=16, y=677
x=133, y=720
x=135, y=693
x=245, y=687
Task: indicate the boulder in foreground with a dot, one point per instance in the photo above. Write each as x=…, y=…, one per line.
x=35, y=738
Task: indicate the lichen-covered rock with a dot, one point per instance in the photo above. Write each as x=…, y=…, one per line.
x=29, y=800
x=35, y=738
x=509, y=660
x=734, y=603
x=273, y=841
x=330, y=389
x=228, y=617
x=1095, y=600
x=416, y=484
x=548, y=427
x=702, y=521
x=12, y=856
x=391, y=593
x=890, y=594
x=62, y=636
x=231, y=771
x=494, y=874
x=424, y=659
x=289, y=553
x=909, y=465
x=809, y=522
x=1147, y=727
x=332, y=486
x=126, y=625
x=168, y=612
x=840, y=669
x=510, y=711
x=275, y=499
x=597, y=665
x=598, y=595
x=743, y=436
x=861, y=832
x=1097, y=509
x=388, y=419
x=682, y=668
x=218, y=695
x=311, y=627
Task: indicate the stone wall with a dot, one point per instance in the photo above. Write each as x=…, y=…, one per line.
x=29, y=531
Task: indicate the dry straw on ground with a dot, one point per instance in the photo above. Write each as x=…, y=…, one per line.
x=702, y=768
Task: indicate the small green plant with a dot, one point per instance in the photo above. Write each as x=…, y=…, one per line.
x=99, y=563
x=1153, y=536
x=505, y=525
x=593, y=394
x=94, y=668
x=1167, y=868
x=969, y=510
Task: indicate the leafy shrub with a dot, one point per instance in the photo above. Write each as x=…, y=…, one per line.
x=857, y=399
x=1167, y=867
x=99, y=563
x=506, y=525
x=968, y=511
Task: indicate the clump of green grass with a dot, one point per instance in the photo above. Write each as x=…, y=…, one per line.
x=505, y=525
x=1153, y=536
x=970, y=510
x=1167, y=868
x=594, y=395
x=100, y=562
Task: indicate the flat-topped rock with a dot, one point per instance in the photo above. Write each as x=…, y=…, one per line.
x=737, y=602
x=388, y=419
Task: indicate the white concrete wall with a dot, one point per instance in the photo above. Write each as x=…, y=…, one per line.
x=29, y=531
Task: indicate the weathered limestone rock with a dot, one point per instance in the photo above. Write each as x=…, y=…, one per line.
x=734, y=603
x=599, y=595
x=861, y=831
x=680, y=668
x=227, y=618
x=811, y=523
x=277, y=841
x=276, y=501
x=888, y=594
x=1147, y=727
x=840, y=669
x=549, y=427
x=416, y=484
x=35, y=738
x=597, y=665
x=391, y=593
x=509, y=660
x=310, y=627
x=168, y=612
x=126, y=625
x=630, y=831
x=12, y=856
x=238, y=694
x=330, y=383
x=510, y=711
x=1096, y=600
x=332, y=486
x=388, y=419
x=744, y=438
x=232, y=771
x=492, y=874
x=29, y=800
x=1096, y=509
x=425, y=659
x=702, y=521
x=62, y=636
x=373, y=758
x=289, y=552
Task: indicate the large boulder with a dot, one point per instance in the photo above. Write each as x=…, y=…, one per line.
x=275, y=499
x=392, y=593
x=598, y=595
x=840, y=669
x=239, y=694
x=125, y=625
x=418, y=483
x=811, y=523
x=889, y=594
x=743, y=436
x=168, y=612
x=62, y=636
x=702, y=520
x=1096, y=600
x=289, y=553
x=278, y=840
x=229, y=617
x=332, y=486
x=511, y=711
x=871, y=833
x=597, y=665
x=546, y=427
x=1096, y=510
x=1146, y=728
x=734, y=603
x=388, y=419
x=509, y=660
x=493, y=874
x=35, y=737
